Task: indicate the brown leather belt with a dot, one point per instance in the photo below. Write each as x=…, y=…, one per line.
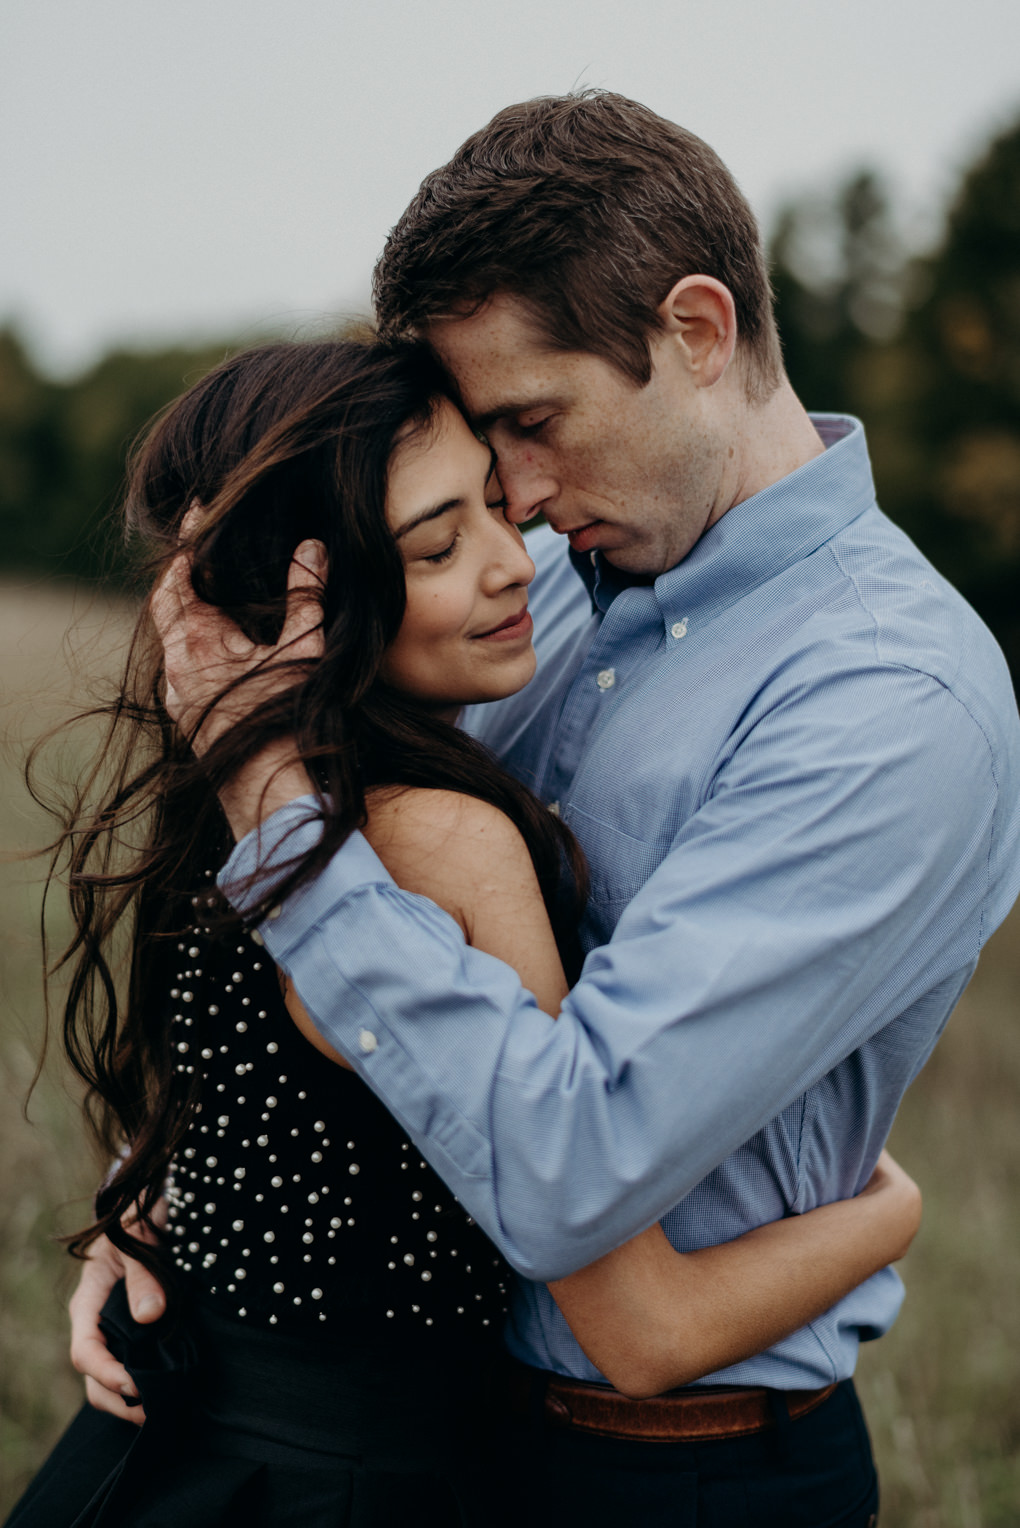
x=687, y=1417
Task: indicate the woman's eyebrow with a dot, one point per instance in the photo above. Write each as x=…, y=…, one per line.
x=428, y=514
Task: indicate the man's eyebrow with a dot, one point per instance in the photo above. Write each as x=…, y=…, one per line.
x=427, y=514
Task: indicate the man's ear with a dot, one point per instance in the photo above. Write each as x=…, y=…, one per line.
x=698, y=314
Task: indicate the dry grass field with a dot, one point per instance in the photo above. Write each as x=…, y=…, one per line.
x=941, y=1392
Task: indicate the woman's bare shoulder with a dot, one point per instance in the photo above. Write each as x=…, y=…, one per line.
x=425, y=818
x=445, y=845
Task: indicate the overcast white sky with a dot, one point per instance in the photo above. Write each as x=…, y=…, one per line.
x=172, y=169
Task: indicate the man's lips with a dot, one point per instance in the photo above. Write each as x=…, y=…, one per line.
x=517, y=625
x=582, y=537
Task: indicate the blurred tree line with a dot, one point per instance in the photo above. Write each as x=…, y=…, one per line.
x=62, y=452
x=925, y=350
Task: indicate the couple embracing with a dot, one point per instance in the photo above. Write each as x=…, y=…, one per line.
x=714, y=770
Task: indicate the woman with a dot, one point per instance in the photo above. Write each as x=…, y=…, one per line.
x=341, y=1309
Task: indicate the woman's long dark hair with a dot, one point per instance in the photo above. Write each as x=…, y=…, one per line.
x=278, y=445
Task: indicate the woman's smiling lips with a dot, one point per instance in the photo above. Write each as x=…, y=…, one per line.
x=517, y=625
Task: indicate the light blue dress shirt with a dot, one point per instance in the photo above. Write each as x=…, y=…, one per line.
x=794, y=765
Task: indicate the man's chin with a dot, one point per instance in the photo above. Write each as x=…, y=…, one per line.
x=633, y=558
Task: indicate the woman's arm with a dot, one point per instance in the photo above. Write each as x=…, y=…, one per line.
x=651, y=1318
x=648, y=1317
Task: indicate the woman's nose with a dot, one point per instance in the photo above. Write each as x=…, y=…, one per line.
x=510, y=563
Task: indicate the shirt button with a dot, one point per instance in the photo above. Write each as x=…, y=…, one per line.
x=274, y=912
x=257, y=937
x=367, y=1042
x=554, y=808
x=606, y=679
x=679, y=629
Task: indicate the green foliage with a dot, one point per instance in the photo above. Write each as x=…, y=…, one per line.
x=927, y=353
x=62, y=453
x=838, y=273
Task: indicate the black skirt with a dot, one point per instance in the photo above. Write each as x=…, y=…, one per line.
x=247, y=1427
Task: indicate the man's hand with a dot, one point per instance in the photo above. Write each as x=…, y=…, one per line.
x=108, y=1385
x=216, y=676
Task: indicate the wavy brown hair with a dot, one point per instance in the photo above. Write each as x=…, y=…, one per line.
x=280, y=444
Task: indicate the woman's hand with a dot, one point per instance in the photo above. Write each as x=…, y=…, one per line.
x=108, y=1386
x=903, y=1197
x=215, y=676
x=651, y=1318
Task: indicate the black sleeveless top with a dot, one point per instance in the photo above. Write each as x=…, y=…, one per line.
x=295, y=1200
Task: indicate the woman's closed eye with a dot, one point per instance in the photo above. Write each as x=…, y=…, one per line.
x=446, y=553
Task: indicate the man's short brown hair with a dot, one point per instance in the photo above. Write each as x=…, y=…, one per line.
x=588, y=208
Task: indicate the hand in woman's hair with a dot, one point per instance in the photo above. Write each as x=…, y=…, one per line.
x=215, y=676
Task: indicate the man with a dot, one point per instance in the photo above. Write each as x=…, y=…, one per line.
x=788, y=748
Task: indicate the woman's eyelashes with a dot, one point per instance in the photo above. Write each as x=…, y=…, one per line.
x=445, y=554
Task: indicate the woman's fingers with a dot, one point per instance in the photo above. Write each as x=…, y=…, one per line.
x=108, y=1386
x=192, y=520
x=306, y=579
x=146, y=1298
x=206, y=654
x=308, y=565
x=89, y=1352
x=167, y=602
x=107, y=1400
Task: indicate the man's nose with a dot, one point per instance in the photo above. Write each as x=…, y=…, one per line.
x=527, y=487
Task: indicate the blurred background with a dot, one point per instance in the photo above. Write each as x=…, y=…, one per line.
x=179, y=181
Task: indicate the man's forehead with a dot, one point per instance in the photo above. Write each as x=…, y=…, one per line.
x=497, y=355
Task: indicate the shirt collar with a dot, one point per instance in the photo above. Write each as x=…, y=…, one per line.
x=760, y=537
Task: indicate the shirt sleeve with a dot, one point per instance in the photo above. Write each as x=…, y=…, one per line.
x=837, y=870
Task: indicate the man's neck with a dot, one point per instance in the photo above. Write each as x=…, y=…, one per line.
x=773, y=440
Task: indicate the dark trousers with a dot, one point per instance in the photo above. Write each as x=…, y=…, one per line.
x=249, y=1429
x=263, y=1431
x=816, y=1472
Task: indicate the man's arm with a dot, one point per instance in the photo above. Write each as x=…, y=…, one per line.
x=795, y=916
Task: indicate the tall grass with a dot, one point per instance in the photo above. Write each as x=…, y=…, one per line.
x=940, y=1391
x=50, y=641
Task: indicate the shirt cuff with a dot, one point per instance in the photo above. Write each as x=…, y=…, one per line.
x=263, y=857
